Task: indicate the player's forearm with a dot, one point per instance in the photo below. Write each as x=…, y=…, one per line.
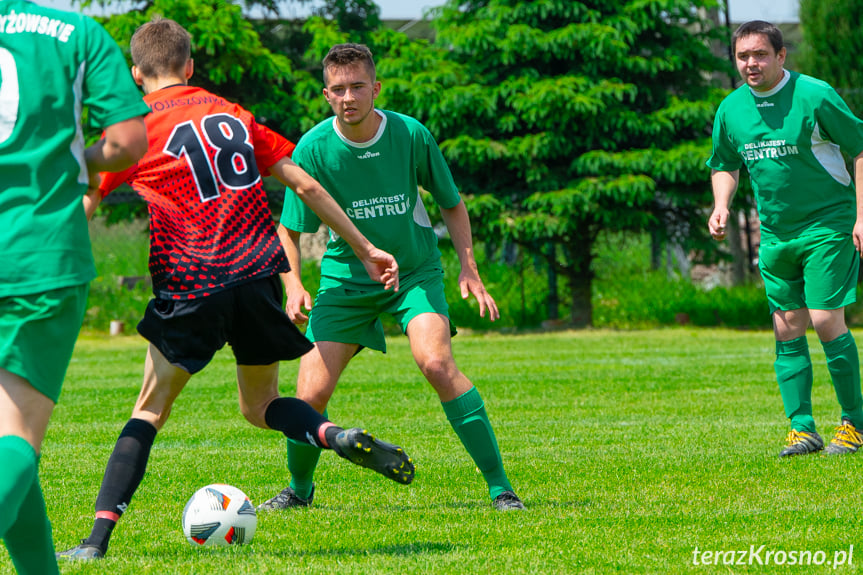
x=92, y=199
x=123, y=144
x=724, y=187
x=335, y=218
x=290, y=241
x=322, y=203
x=458, y=225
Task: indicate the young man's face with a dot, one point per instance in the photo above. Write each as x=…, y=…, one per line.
x=351, y=93
x=758, y=63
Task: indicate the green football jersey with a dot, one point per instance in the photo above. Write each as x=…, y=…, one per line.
x=375, y=182
x=52, y=63
x=790, y=140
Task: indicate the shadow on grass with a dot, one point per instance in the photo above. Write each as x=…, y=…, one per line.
x=528, y=503
x=480, y=505
x=422, y=548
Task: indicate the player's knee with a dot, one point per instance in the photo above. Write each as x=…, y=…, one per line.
x=829, y=324
x=254, y=414
x=438, y=368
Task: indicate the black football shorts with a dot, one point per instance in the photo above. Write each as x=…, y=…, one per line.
x=249, y=317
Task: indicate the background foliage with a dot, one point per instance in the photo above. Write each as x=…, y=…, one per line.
x=564, y=122
x=565, y=119
x=831, y=39
x=627, y=294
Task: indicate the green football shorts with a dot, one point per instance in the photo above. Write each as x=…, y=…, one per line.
x=815, y=272
x=38, y=333
x=351, y=314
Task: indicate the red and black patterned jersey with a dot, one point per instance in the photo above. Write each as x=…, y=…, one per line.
x=210, y=225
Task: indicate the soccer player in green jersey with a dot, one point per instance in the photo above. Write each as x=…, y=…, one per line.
x=371, y=161
x=789, y=130
x=52, y=63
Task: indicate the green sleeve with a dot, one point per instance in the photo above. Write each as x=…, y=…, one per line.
x=839, y=124
x=109, y=90
x=725, y=157
x=433, y=173
x=296, y=215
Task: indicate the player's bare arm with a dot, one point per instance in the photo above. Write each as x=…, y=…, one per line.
x=123, y=144
x=458, y=223
x=296, y=296
x=724, y=186
x=92, y=199
x=380, y=265
x=858, y=183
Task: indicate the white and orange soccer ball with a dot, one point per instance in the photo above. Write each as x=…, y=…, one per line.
x=219, y=515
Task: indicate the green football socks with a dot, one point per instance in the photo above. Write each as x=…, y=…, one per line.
x=794, y=375
x=843, y=362
x=302, y=461
x=468, y=418
x=24, y=524
x=20, y=466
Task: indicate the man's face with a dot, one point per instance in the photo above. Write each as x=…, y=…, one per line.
x=351, y=93
x=759, y=65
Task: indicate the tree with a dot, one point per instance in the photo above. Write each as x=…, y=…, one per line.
x=831, y=44
x=565, y=118
x=229, y=57
x=360, y=17
x=230, y=60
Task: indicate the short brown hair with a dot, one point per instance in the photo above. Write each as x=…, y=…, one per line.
x=161, y=47
x=342, y=55
x=774, y=34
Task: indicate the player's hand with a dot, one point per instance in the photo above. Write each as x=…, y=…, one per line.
x=382, y=268
x=471, y=284
x=858, y=236
x=296, y=300
x=717, y=222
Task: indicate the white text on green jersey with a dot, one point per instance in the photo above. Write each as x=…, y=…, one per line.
x=768, y=149
x=18, y=22
x=381, y=206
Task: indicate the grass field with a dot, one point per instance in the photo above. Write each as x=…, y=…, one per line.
x=630, y=450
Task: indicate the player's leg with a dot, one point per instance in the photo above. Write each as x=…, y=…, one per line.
x=793, y=367
x=299, y=421
x=24, y=525
x=37, y=337
x=282, y=341
x=318, y=375
x=429, y=335
x=843, y=363
x=127, y=464
x=261, y=335
x=831, y=284
x=29, y=539
x=24, y=415
x=781, y=265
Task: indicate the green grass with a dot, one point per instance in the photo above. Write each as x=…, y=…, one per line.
x=629, y=449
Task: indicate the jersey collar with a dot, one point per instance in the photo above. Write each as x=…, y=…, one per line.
x=775, y=89
x=371, y=142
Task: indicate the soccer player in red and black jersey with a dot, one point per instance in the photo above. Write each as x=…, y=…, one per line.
x=215, y=259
